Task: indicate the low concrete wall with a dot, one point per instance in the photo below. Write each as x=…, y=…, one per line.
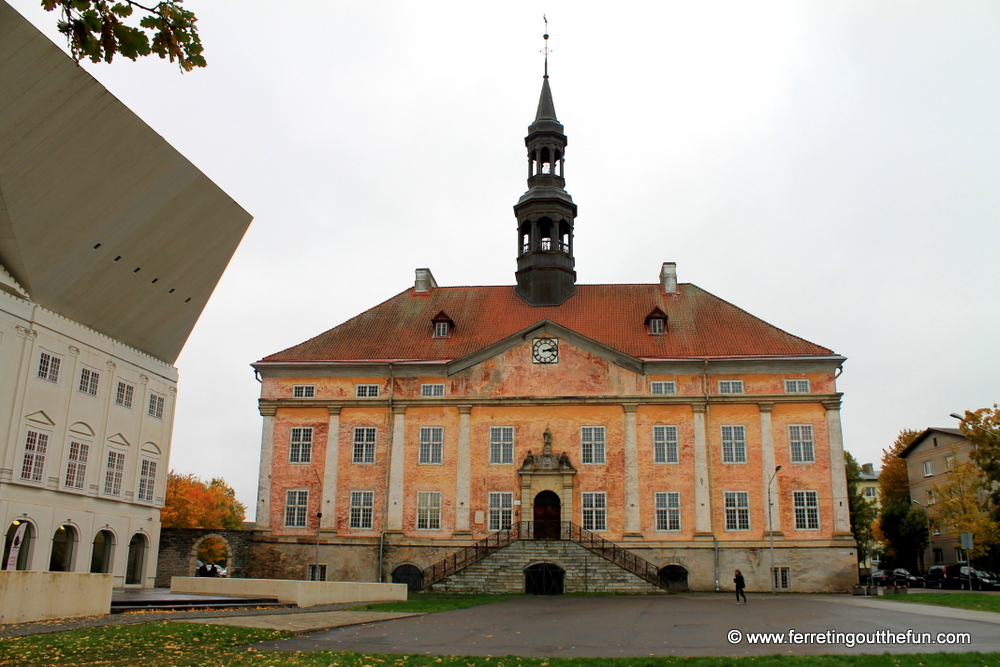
x=302, y=593
x=36, y=596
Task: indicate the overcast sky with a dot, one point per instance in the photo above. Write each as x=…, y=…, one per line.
x=830, y=167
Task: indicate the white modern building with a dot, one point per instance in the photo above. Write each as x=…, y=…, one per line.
x=111, y=244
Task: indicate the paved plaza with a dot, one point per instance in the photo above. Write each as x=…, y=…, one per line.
x=685, y=625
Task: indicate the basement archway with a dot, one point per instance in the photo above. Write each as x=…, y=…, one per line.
x=544, y=579
x=673, y=577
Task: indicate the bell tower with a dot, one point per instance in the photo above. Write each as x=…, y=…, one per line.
x=545, y=213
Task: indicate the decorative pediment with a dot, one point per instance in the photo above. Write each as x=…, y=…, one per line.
x=40, y=418
x=120, y=439
x=82, y=429
x=151, y=448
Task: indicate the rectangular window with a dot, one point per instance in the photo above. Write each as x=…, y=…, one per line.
x=124, y=394
x=930, y=497
x=364, y=444
x=147, y=480
x=48, y=367
x=737, y=510
x=35, y=446
x=665, y=444
x=668, y=511
x=317, y=572
x=501, y=444
x=155, y=406
x=662, y=388
x=431, y=444
x=780, y=578
x=734, y=444
x=431, y=390
x=440, y=329
x=800, y=440
x=88, y=381
x=76, y=469
x=113, y=473
x=656, y=326
x=428, y=510
x=362, y=504
x=938, y=556
x=367, y=391
x=592, y=444
x=949, y=463
x=806, y=510
x=927, y=469
x=870, y=492
x=595, y=510
x=730, y=386
x=796, y=386
x=296, y=508
x=501, y=510
x=304, y=391
x=300, y=445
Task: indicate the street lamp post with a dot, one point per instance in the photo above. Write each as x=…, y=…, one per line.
x=770, y=528
x=974, y=425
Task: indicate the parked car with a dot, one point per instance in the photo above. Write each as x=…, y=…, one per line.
x=881, y=578
x=960, y=576
x=987, y=581
x=902, y=577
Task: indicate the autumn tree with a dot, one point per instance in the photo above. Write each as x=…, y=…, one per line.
x=862, y=510
x=960, y=506
x=192, y=503
x=901, y=525
x=893, y=482
x=982, y=428
x=96, y=29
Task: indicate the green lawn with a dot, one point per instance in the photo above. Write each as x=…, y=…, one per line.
x=428, y=604
x=161, y=643
x=976, y=601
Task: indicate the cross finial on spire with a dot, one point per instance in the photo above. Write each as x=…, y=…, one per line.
x=546, y=50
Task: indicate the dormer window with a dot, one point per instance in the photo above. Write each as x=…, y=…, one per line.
x=656, y=322
x=443, y=325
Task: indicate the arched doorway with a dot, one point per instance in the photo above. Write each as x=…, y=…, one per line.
x=135, y=564
x=408, y=574
x=673, y=578
x=211, y=550
x=100, y=557
x=63, y=546
x=547, y=515
x=544, y=579
x=24, y=550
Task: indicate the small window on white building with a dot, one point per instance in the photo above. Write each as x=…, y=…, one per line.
x=737, y=510
x=429, y=510
x=665, y=444
x=871, y=492
x=806, y=510
x=33, y=464
x=432, y=390
x=76, y=468
x=663, y=388
x=48, y=366
x=113, y=473
x=296, y=508
x=796, y=386
x=927, y=469
x=124, y=394
x=156, y=402
x=431, y=445
x=304, y=391
x=501, y=445
x=147, y=480
x=89, y=380
x=367, y=391
x=668, y=511
x=730, y=386
x=364, y=444
x=362, y=509
x=300, y=445
x=501, y=510
x=595, y=510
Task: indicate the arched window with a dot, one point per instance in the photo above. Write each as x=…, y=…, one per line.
x=135, y=565
x=63, y=545
x=20, y=540
x=100, y=558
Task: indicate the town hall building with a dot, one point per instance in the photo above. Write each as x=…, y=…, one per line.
x=550, y=436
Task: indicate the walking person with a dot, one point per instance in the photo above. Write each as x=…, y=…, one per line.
x=740, y=585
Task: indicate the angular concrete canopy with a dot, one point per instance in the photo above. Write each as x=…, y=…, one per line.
x=101, y=220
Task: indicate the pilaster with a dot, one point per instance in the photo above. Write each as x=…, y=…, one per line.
x=702, y=490
x=770, y=486
x=838, y=471
x=263, y=518
x=330, y=468
x=396, y=468
x=633, y=527
x=463, y=485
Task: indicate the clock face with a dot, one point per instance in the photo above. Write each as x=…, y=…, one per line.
x=545, y=350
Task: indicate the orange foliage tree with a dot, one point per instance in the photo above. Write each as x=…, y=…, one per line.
x=192, y=503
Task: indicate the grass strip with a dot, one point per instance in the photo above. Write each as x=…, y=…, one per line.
x=434, y=603
x=188, y=644
x=974, y=601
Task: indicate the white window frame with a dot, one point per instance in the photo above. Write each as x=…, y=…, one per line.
x=928, y=469
x=666, y=448
x=76, y=465
x=157, y=405
x=428, y=510
x=501, y=510
x=594, y=510
x=431, y=447
x=124, y=394
x=734, y=443
x=930, y=497
x=668, y=510
x=871, y=492
x=365, y=445
x=656, y=326
x=501, y=445
x=663, y=388
x=90, y=381
x=114, y=473
x=737, y=506
x=806, y=507
x=304, y=391
x=147, y=480
x=366, y=390
x=441, y=329
x=730, y=387
x=797, y=386
x=780, y=578
x=432, y=390
x=593, y=445
x=362, y=510
x=297, y=508
x=300, y=444
x=48, y=366
x=801, y=443
x=36, y=445
x=949, y=462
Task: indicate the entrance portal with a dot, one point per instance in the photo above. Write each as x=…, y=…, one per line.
x=673, y=578
x=544, y=579
x=547, y=516
x=410, y=575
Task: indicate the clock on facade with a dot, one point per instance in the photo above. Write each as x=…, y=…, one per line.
x=545, y=351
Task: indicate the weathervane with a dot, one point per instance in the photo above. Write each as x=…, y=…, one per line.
x=546, y=50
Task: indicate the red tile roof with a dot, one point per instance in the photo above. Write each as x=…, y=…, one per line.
x=699, y=325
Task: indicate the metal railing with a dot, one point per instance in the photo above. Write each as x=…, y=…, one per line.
x=526, y=530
